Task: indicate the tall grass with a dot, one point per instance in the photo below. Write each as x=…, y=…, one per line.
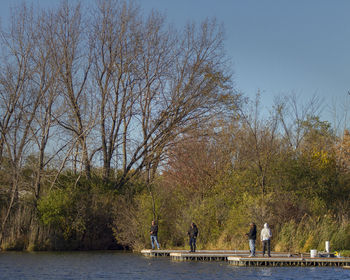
x=312, y=232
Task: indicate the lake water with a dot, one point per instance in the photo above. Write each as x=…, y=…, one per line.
x=113, y=265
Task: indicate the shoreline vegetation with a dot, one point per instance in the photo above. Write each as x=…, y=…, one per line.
x=110, y=119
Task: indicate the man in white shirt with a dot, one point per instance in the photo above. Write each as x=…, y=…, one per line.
x=265, y=237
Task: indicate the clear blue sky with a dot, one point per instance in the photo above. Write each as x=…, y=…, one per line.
x=277, y=46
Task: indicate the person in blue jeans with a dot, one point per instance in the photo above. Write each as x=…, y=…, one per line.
x=154, y=234
x=192, y=234
x=252, y=238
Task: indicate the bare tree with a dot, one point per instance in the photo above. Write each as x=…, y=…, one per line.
x=153, y=84
x=292, y=114
x=44, y=77
x=71, y=56
x=116, y=36
x=183, y=78
x=21, y=97
x=258, y=140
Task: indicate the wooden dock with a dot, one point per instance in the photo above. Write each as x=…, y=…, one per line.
x=241, y=258
x=176, y=253
x=287, y=261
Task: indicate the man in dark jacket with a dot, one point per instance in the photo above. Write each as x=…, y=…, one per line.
x=193, y=233
x=154, y=234
x=252, y=237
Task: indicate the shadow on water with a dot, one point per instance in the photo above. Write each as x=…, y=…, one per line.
x=117, y=265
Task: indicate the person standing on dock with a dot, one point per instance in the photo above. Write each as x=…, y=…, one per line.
x=265, y=239
x=154, y=234
x=193, y=233
x=252, y=237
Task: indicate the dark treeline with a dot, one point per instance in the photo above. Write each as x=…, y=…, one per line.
x=110, y=118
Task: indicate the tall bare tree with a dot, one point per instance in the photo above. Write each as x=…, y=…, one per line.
x=44, y=77
x=153, y=83
x=258, y=140
x=116, y=46
x=183, y=77
x=72, y=58
x=21, y=97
